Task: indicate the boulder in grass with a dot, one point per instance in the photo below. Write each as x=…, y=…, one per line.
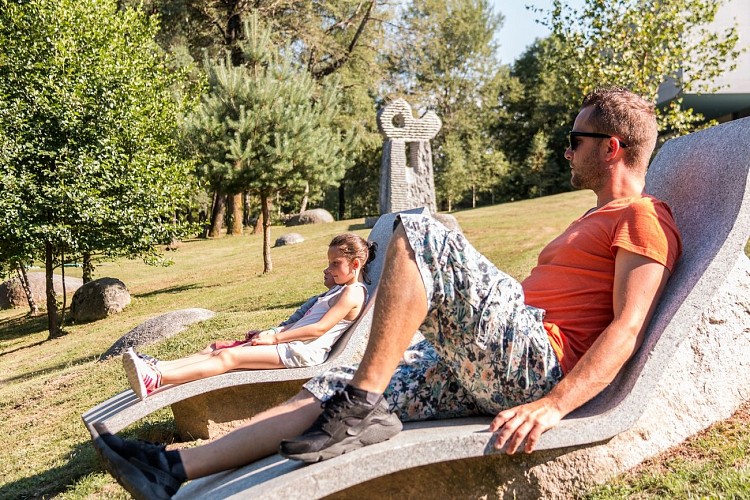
x=288, y=239
x=448, y=221
x=12, y=294
x=156, y=329
x=314, y=216
x=98, y=299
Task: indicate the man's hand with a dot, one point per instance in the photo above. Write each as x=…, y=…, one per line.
x=527, y=421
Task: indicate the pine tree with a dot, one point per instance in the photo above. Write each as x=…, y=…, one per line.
x=266, y=127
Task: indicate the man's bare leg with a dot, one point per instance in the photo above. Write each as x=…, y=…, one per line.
x=400, y=308
x=257, y=439
x=150, y=471
x=359, y=415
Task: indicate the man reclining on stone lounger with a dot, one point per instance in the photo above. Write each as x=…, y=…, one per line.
x=528, y=354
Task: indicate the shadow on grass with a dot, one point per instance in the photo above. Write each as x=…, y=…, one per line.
x=20, y=326
x=172, y=289
x=21, y=348
x=51, y=482
x=49, y=369
x=83, y=460
x=242, y=306
x=357, y=227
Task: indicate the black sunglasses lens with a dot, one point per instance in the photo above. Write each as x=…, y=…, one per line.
x=573, y=141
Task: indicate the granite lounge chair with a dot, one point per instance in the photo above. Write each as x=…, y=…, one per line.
x=677, y=383
x=125, y=408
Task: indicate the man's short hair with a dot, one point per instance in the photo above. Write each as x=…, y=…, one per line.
x=621, y=113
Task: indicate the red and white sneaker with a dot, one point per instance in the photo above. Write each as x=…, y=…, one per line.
x=143, y=378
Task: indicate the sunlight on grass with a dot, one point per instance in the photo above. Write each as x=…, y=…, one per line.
x=712, y=464
x=45, y=385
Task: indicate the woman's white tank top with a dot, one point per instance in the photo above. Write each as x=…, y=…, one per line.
x=298, y=353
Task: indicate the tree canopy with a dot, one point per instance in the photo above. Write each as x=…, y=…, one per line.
x=266, y=127
x=89, y=161
x=657, y=48
x=651, y=47
x=447, y=62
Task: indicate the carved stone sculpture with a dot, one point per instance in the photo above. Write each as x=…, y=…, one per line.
x=406, y=178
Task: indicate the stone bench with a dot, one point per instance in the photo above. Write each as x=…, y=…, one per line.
x=690, y=371
x=268, y=387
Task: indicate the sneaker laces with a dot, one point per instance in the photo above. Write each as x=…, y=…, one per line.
x=149, y=360
x=332, y=408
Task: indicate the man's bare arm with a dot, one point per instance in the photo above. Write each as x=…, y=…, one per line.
x=639, y=282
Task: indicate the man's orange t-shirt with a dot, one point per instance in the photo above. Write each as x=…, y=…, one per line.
x=574, y=277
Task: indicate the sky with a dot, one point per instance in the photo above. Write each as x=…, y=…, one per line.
x=519, y=30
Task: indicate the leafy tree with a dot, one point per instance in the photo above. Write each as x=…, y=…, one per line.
x=447, y=63
x=343, y=39
x=537, y=166
x=326, y=35
x=639, y=44
x=636, y=44
x=267, y=128
x=452, y=180
x=88, y=107
x=538, y=99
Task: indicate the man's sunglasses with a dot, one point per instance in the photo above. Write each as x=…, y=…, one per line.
x=574, y=138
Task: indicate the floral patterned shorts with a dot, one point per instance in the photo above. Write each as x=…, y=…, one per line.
x=484, y=349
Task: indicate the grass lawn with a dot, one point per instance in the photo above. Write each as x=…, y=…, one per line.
x=45, y=385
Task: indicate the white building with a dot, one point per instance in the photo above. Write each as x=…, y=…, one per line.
x=732, y=100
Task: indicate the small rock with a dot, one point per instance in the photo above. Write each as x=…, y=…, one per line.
x=448, y=221
x=12, y=294
x=159, y=328
x=173, y=245
x=314, y=216
x=98, y=299
x=289, y=239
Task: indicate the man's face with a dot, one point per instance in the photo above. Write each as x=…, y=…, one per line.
x=587, y=171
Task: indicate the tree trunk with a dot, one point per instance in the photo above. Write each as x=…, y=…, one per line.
x=64, y=290
x=88, y=268
x=342, y=200
x=265, y=207
x=21, y=271
x=202, y=218
x=217, y=215
x=473, y=197
x=52, y=325
x=305, y=198
x=235, y=210
x=246, y=209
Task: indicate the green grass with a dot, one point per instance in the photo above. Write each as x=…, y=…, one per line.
x=45, y=385
x=712, y=464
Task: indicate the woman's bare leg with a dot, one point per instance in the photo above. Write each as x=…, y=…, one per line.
x=173, y=364
x=222, y=361
x=257, y=439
